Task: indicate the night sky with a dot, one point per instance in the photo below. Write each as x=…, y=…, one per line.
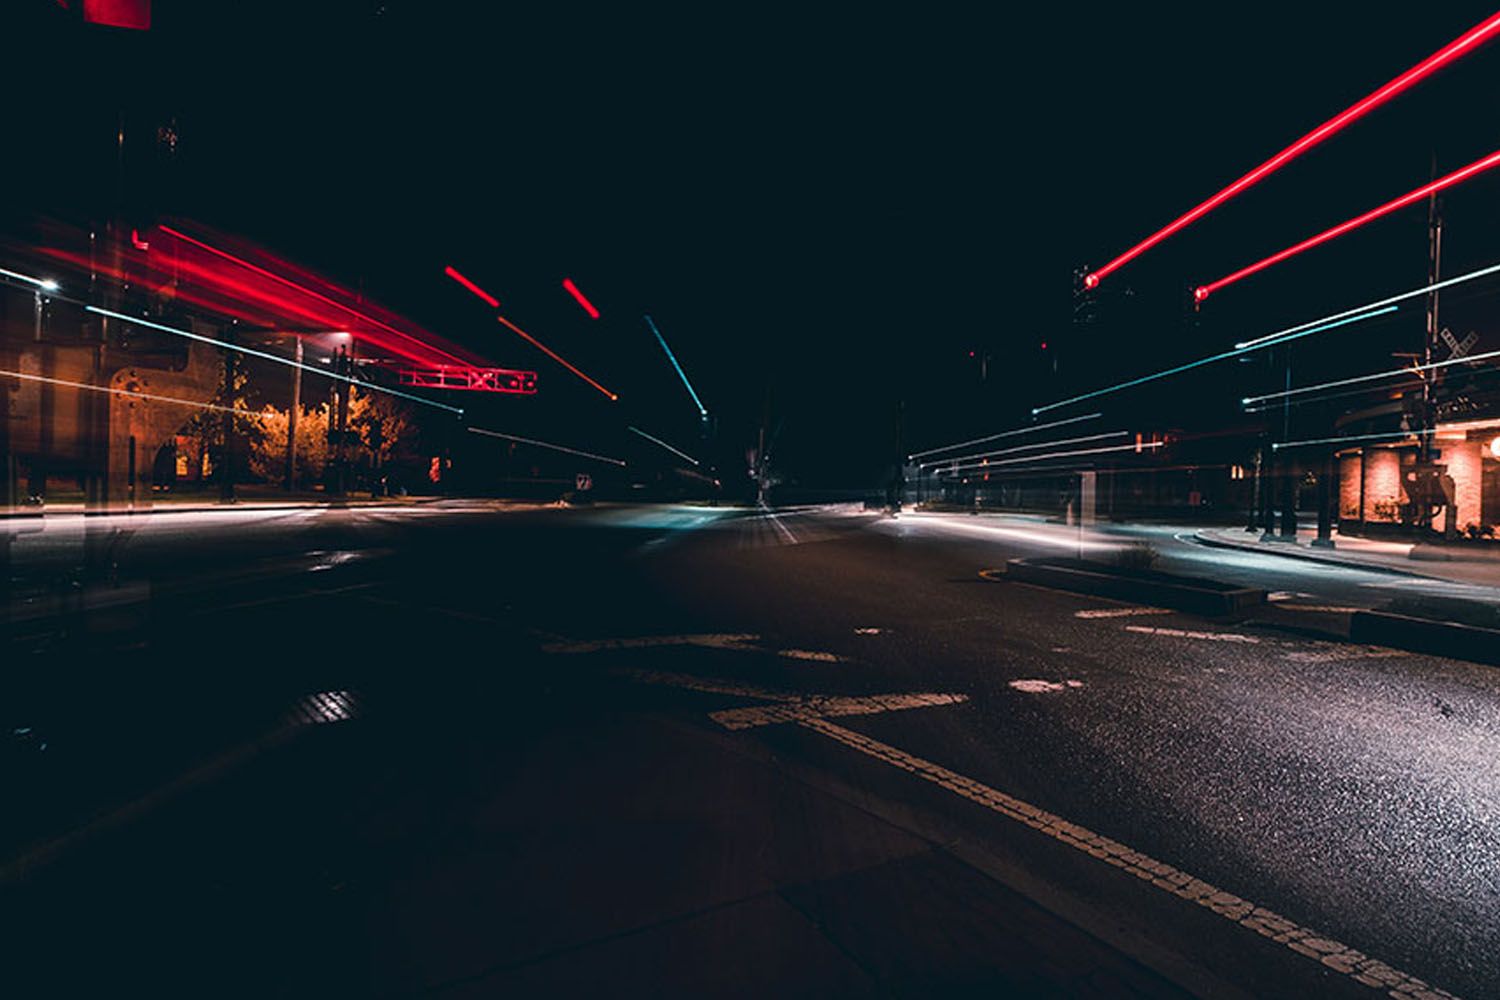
x=830, y=208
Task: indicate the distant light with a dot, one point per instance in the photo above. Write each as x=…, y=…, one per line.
x=588, y=306
x=1044, y=345
x=1091, y=281
x=1495, y=446
x=489, y=299
x=1201, y=292
x=48, y=285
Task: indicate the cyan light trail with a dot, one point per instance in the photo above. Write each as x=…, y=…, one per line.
x=1205, y=361
x=702, y=410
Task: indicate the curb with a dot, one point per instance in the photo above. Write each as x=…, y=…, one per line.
x=1292, y=552
x=1424, y=635
x=1183, y=593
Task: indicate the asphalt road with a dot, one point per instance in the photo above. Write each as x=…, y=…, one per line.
x=462, y=749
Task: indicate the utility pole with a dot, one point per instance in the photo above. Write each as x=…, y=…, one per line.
x=292, y=415
x=1428, y=419
x=226, y=471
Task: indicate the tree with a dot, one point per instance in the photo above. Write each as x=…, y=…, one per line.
x=268, y=449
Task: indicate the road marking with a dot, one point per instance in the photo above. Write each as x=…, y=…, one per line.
x=824, y=706
x=1321, y=609
x=811, y=654
x=997, y=575
x=810, y=712
x=867, y=631
x=711, y=641
x=1303, y=940
x=1344, y=654
x=1120, y=612
x=1187, y=634
x=1034, y=686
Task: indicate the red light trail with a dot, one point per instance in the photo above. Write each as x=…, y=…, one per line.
x=430, y=349
x=489, y=299
x=1454, y=50
x=588, y=306
x=1457, y=177
x=554, y=355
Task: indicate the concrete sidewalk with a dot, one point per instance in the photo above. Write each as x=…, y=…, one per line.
x=1457, y=565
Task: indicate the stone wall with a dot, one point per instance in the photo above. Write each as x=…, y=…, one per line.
x=1382, y=483
x=1350, y=475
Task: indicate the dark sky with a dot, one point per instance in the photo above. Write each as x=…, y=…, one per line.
x=834, y=204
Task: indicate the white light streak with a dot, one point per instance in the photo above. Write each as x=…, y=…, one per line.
x=1426, y=289
x=1061, y=454
x=657, y=440
x=130, y=392
x=939, y=462
x=545, y=444
x=123, y=317
x=1358, y=379
x=45, y=284
x=1003, y=434
x=1400, y=435
x=1208, y=360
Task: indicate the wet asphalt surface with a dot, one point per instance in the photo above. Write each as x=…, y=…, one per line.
x=1350, y=789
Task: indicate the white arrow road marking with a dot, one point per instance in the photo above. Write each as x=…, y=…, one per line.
x=1186, y=634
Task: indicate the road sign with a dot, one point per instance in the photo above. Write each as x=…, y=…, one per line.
x=1458, y=348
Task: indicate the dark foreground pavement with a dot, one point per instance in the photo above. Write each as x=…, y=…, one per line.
x=458, y=752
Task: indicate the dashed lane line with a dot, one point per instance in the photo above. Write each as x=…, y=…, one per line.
x=712, y=641
x=1304, y=940
x=811, y=654
x=1119, y=612
x=821, y=707
x=1344, y=654
x=1180, y=633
